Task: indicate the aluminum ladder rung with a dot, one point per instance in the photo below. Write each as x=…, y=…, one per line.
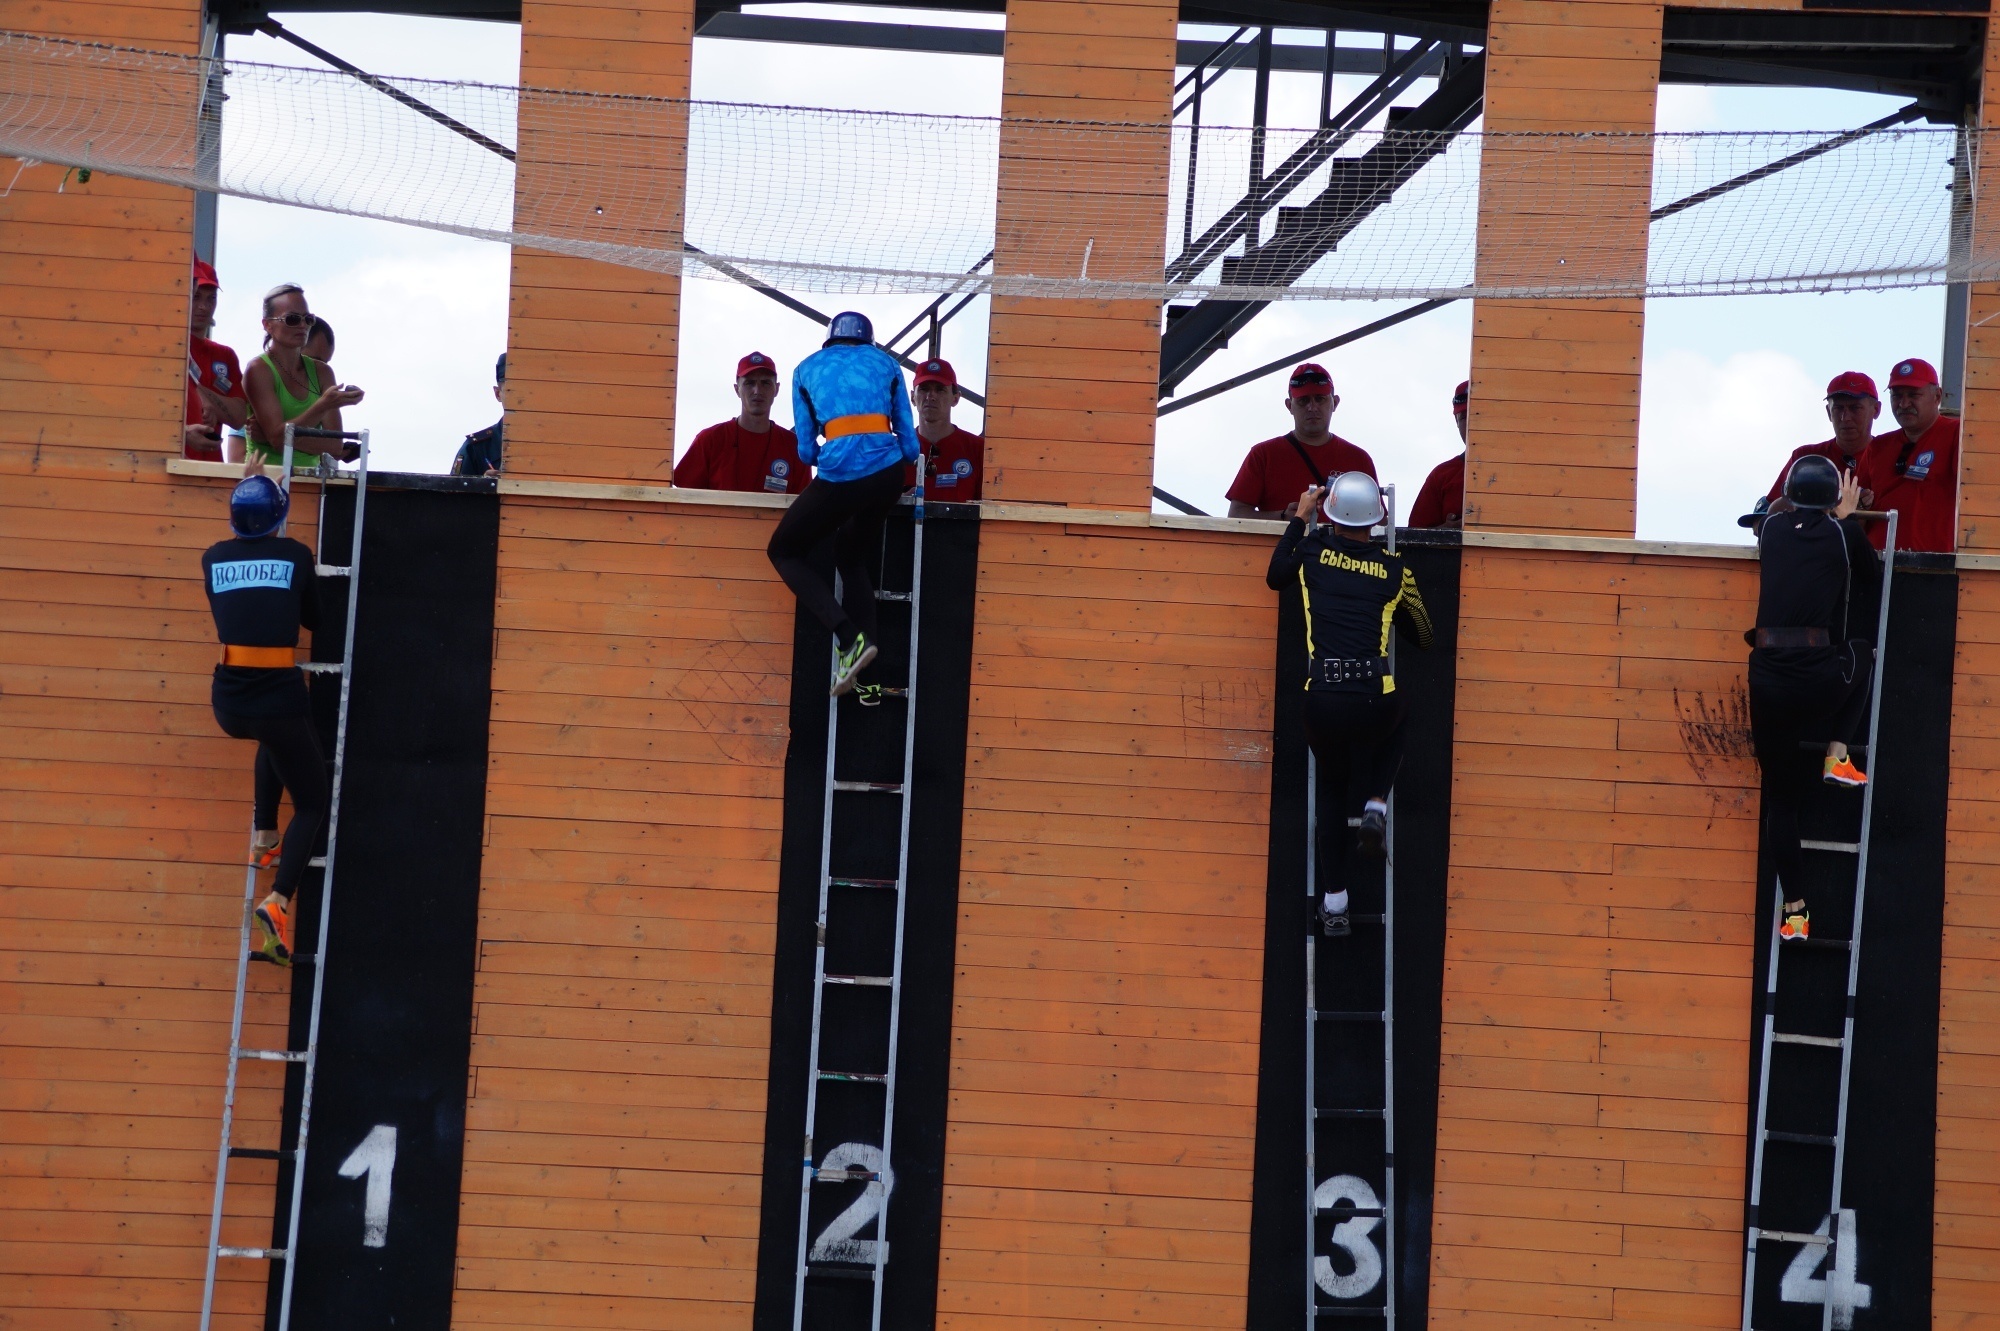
x=305, y=1058
x=864, y=1078
x=840, y=1272
x=1789, y=1236
x=1350, y=1312
x=868, y=787
x=892, y=596
x=1330, y=1015
x=1819, y=1041
x=1319, y=1112
x=884, y=884
x=1800, y=1138
x=867, y=981
x=846, y=1176
x=1838, y=847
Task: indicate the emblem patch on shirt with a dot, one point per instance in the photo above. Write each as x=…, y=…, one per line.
x=243, y=574
x=962, y=467
x=781, y=468
x=218, y=374
x=1920, y=465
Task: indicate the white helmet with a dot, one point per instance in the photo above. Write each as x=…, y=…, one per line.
x=1354, y=500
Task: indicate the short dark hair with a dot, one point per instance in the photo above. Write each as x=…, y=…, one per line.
x=500, y=369
x=321, y=326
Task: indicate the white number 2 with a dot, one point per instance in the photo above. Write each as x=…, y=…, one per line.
x=1351, y=1236
x=1799, y=1284
x=375, y=1158
x=836, y=1243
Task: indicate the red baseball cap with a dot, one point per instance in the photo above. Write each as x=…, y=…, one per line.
x=204, y=276
x=1461, y=396
x=1913, y=374
x=1852, y=384
x=1311, y=380
x=756, y=360
x=936, y=371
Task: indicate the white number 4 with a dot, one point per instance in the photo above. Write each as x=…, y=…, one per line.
x=375, y=1158
x=1800, y=1284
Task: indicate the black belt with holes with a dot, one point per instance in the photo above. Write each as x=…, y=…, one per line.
x=1334, y=670
x=1778, y=639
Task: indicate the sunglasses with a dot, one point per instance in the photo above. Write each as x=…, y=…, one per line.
x=293, y=320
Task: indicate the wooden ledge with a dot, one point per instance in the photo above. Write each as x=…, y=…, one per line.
x=1604, y=545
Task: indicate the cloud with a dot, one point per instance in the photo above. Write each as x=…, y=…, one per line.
x=1712, y=434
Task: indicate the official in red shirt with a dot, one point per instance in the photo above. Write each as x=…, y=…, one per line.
x=215, y=395
x=751, y=452
x=1277, y=471
x=1852, y=406
x=1914, y=470
x=1441, y=503
x=954, y=459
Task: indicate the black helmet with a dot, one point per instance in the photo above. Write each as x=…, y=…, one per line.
x=1813, y=482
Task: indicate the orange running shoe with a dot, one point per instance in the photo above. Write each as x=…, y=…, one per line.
x=1797, y=924
x=274, y=920
x=1843, y=772
x=264, y=853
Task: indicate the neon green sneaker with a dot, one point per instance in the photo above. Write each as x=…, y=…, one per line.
x=851, y=662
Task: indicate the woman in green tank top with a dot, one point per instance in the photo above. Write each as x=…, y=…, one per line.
x=287, y=386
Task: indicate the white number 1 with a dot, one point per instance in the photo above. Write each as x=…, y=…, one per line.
x=1800, y=1285
x=376, y=1158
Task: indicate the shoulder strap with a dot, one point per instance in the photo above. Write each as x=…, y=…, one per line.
x=1305, y=457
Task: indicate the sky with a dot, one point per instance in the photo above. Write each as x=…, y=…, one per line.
x=1730, y=384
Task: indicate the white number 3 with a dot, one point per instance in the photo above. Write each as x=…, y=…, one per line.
x=375, y=1158
x=1351, y=1236
x=1800, y=1285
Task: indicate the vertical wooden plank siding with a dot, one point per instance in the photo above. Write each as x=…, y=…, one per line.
x=1554, y=429
x=1592, y=1101
x=1965, y=1280
x=614, y=1132
x=1072, y=384
x=592, y=347
x=1110, y=938
x=1965, y=1284
x=126, y=813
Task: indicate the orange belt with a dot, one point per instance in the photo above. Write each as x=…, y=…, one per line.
x=265, y=658
x=865, y=423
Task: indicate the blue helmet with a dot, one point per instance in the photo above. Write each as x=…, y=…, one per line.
x=849, y=326
x=257, y=506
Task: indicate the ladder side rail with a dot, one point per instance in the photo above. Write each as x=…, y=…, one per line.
x=1389, y=994
x=818, y=985
x=285, y=478
x=1753, y=1232
x=1860, y=900
x=1312, y=1014
x=326, y=880
x=229, y=1087
x=886, y=1182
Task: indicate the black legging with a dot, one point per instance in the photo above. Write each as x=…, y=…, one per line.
x=1815, y=703
x=1359, y=737
x=853, y=512
x=288, y=756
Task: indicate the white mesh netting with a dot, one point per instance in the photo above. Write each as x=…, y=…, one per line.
x=838, y=201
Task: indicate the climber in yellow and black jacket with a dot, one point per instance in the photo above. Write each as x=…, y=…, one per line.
x=1353, y=590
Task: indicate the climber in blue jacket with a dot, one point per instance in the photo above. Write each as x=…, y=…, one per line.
x=851, y=391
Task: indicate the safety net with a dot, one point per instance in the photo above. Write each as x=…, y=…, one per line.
x=829, y=200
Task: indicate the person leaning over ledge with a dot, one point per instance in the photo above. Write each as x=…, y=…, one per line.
x=1914, y=470
x=1275, y=471
x=752, y=452
x=215, y=379
x=1441, y=503
x=287, y=386
x=481, y=453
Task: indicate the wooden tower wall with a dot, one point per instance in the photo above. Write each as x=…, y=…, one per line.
x=1967, y=1216
x=614, y=1132
x=1110, y=932
x=1596, y=1008
x=593, y=349
x=1072, y=384
x=125, y=818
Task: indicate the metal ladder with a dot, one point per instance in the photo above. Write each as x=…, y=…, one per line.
x=1366, y=1213
x=1830, y=1236
x=306, y=1058
x=831, y=1175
